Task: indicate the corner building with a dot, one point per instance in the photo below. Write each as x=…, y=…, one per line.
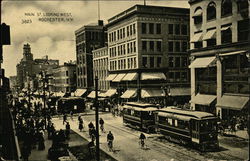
x=220, y=57
x=88, y=38
x=147, y=48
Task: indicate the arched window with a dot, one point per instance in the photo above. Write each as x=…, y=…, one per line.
x=211, y=11
x=242, y=5
x=197, y=15
x=226, y=7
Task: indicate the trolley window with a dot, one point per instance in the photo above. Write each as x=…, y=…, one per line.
x=182, y=124
x=208, y=125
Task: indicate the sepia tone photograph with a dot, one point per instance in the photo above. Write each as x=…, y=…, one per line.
x=124, y=80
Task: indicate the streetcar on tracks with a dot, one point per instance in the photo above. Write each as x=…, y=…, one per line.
x=140, y=115
x=68, y=104
x=195, y=128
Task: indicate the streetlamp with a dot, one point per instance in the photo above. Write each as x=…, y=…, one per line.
x=97, y=119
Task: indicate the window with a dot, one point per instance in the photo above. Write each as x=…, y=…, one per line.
x=184, y=46
x=170, y=28
x=143, y=28
x=170, y=46
x=128, y=47
x=211, y=11
x=158, y=46
x=184, y=62
x=134, y=46
x=158, y=61
x=151, y=45
x=151, y=28
x=177, y=29
x=131, y=30
x=177, y=76
x=242, y=5
x=184, y=30
x=197, y=16
x=144, y=62
x=134, y=30
x=226, y=7
x=171, y=61
x=67, y=73
x=152, y=62
x=184, y=76
x=177, y=46
x=118, y=34
x=226, y=34
x=158, y=28
x=171, y=75
x=198, y=44
x=144, y=45
x=127, y=31
x=211, y=42
x=243, y=30
x=177, y=62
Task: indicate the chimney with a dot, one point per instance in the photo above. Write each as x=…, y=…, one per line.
x=100, y=22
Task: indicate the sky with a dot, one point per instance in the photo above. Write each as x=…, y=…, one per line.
x=57, y=39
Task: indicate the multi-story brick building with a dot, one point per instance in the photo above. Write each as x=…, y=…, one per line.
x=220, y=53
x=63, y=78
x=100, y=67
x=88, y=38
x=147, y=48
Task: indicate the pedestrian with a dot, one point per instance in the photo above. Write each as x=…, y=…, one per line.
x=110, y=139
x=91, y=126
x=79, y=118
x=80, y=125
x=142, y=140
x=67, y=132
x=64, y=118
x=41, y=145
x=71, y=115
x=101, y=122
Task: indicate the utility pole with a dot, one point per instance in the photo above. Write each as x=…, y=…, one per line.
x=97, y=120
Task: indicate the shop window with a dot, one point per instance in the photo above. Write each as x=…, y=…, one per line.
x=144, y=62
x=171, y=75
x=197, y=16
x=177, y=76
x=243, y=30
x=177, y=29
x=151, y=28
x=184, y=62
x=211, y=11
x=144, y=45
x=170, y=29
x=226, y=34
x=226, y=8
x=184, y=76
x=170, y=46
x=177, y=46
x=151, y=45
x=152, y=62
x=159, y=46
x=171, y=62
x=158, y=28
x=158, y=61
x=184, y=30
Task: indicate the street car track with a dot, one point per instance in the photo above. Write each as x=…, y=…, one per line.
x=158, y=148
x=177, y=153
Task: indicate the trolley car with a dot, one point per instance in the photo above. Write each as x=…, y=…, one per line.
x=68, y=104
x=140, y=115
x=188, y=127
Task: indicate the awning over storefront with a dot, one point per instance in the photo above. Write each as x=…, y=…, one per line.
x=153, y=76
x=110, y=93
x=58, y=94
x=180, y=91
x=111, y=77
x=233, y=53
x=232, y=102
x=226, y=28
x=119, y=77
x=203, y=62
x=102, y=94
x=152, y=93
x=203, y=99
x=80, y=92
x=130, y=93
x=197, y=37
x=92, y=94
x=130, y=77
x=211, y=34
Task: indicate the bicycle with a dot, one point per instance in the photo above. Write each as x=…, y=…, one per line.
x=110, y=145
